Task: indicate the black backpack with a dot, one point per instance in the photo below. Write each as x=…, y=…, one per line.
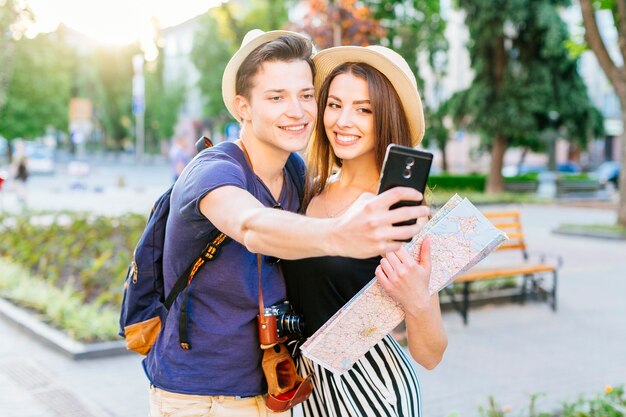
x=144, y=305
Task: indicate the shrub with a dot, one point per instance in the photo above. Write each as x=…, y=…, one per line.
x=91, y=252
x=475, y=182
x=70, y=267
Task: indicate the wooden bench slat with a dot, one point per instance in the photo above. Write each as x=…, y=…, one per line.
x=504, y=272
x=498, y=214
x=503, y=226
x=506, y=246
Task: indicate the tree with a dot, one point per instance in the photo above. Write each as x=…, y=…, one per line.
x=39, y=87
x=615, y=72
x=526, y=88
x=112, y=92
x=14, y=17
x=211, y=51
x=162, y=103
x=339, y=22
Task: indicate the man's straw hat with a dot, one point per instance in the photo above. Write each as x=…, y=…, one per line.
x=390, y=64
x=252, y=40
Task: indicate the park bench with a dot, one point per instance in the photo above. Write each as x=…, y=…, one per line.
x=532, y=271
x=581, y=188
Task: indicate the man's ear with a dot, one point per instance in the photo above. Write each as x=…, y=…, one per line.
x=242, y=106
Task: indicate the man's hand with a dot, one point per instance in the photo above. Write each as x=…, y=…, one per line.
x=366, y=228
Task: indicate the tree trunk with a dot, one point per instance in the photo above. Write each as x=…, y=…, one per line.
x=495, y=182
x=621, y=205
x=444, y=158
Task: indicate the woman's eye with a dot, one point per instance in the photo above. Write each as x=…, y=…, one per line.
x=333, y=105
x=364, y=110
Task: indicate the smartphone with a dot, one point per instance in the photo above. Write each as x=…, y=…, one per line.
x=405, y=167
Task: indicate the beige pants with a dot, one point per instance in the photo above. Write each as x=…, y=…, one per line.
x=170, y=404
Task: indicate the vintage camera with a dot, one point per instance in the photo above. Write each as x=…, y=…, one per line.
x=277, y=322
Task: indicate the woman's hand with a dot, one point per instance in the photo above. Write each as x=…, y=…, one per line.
x=406, y=279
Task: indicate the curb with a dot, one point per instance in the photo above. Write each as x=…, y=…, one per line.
x=598, y=234
x=51, y=337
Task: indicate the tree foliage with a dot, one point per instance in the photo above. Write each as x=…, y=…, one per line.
x=413, y=27
x=14, y=16
x=212, y=48
x=39, y=89
x=339, y=22
x=163, y=103
x=112, y=92
x=525, y=84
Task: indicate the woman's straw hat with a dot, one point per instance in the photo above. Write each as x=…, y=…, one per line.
x=390, y=64
x=252, y=40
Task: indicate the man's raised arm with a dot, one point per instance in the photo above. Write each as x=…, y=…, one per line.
x=364, y=230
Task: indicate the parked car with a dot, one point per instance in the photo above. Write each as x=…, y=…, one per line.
x=41, y=160
x=569, y=167
x=607, y=172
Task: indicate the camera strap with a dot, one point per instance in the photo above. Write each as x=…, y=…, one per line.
x=261, y=304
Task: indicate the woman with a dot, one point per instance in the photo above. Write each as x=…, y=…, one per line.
x=367, y=99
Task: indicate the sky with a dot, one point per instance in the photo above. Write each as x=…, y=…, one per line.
x=115, y=22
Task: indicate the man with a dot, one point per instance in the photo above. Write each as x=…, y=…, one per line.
x=237, y=188
x=179, y=156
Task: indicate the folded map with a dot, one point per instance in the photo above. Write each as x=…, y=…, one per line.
x=460, y=236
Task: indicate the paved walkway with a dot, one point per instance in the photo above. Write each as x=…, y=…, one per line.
x=507, y=351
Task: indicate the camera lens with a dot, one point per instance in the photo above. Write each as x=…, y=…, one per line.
x=406, y=173
x=290, y=324
x=409, y=162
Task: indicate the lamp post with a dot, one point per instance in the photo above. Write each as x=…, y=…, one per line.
x=139, y=106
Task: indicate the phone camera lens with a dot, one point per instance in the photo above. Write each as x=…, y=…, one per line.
x=409, y=162
x=406, y=173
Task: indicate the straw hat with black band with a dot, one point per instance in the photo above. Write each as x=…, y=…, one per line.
x=391, y=65
x=252, y=40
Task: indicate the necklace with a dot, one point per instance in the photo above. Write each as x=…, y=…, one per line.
x=344, y=208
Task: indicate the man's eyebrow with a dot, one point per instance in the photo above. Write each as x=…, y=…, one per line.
x=282, y=90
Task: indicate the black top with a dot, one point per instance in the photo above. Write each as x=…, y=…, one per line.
x=318, y=287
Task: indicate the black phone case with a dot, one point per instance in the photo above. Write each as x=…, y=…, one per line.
x=405, y=167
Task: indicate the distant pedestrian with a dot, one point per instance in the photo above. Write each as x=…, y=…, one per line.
x=21, y=177
x=179, y=156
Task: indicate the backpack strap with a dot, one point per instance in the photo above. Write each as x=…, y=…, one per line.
x=209, y=253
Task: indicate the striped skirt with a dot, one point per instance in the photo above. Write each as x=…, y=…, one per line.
x=381, y=383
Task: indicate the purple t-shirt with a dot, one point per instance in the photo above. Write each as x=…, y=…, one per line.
x=225, y=358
